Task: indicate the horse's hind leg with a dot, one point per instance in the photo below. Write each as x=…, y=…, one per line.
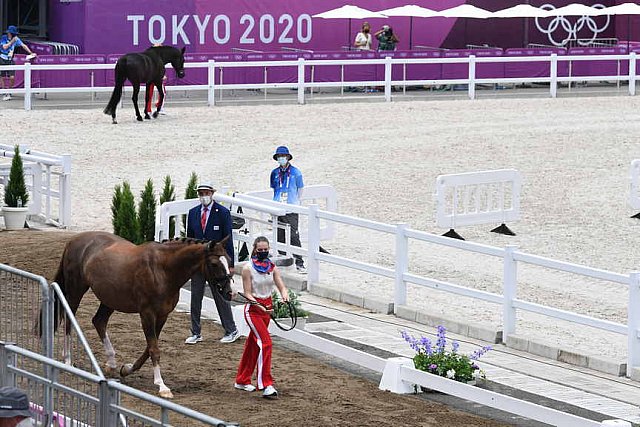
x=100, y=321
x=134, y=98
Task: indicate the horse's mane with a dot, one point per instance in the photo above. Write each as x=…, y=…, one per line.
x=165, y=48
x=184, y=240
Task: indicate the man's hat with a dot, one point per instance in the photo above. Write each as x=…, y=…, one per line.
x=14, y=403
x=205, y=186
x=280, y=151
x=12, y=29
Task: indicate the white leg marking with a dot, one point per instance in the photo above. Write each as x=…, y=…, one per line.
x=157, y=380
x=110, y=352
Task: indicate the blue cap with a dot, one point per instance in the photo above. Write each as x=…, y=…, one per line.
x=282, y=150
x=12, y=29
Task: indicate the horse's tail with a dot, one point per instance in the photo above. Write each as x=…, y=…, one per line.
x=110, y=109
x=57, y=305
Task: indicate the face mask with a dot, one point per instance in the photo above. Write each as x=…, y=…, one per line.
x=262, y=255
x=282, y=161
x=205, y=200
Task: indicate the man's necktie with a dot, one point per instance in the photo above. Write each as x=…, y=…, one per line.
x=203, y=218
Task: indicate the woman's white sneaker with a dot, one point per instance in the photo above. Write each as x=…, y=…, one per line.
x=245, y=387
x=270, y=391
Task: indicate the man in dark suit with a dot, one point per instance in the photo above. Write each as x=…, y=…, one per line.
x=210, y=221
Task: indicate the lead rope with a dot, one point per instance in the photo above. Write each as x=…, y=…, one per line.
x=291, y=309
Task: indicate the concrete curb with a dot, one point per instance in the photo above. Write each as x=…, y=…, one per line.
x=563, y=355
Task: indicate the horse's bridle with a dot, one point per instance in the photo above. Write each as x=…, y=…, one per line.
x=208, y=268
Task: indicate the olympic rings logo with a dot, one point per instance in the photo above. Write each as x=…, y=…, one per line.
x=572, y=30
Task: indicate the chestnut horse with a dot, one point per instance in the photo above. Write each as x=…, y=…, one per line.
x=143, y=279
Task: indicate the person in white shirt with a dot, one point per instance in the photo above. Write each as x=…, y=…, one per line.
x=363, y=38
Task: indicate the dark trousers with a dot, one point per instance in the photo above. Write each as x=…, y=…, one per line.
x=223, y=306
x=292, y=220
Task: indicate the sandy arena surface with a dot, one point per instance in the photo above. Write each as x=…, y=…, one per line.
x=383, y=159
x=314, y=389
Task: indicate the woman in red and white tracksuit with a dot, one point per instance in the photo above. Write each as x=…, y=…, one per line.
x=259, y=277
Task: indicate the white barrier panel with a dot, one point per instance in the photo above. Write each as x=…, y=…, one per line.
x=478, y=198
x=406, y=374
x=40, y=169
x=323, y=195
x=634, y=191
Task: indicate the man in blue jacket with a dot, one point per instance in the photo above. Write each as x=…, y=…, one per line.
x=210, y=221
x=8, y=43
x=287, y=183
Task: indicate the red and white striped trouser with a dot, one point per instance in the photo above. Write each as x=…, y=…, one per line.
x=257, y=348
x=149, y=98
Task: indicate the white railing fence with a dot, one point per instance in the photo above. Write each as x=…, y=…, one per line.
x=259, y=213
x=48, y=179
x=402, y=277
x=387, y=82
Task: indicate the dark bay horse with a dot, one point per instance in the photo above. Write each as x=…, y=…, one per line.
x=148, y=68
x=143, y=279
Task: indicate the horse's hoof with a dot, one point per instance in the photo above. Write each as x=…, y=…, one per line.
x=126, y=369
x=139, y=118
x=147, y=117
x=155, y=115
x=166, y=394
x=114, y=121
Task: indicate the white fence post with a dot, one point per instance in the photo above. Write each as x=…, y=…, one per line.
x=301, y=81
x=387, y=79
x=402, y=264
x=472, y=77
x=633, y=323
x=510, y=291
x=211, y=83
x=632, y=73
x=27, y=86
x=64, y=209
x=553, y=74
x=313, y=245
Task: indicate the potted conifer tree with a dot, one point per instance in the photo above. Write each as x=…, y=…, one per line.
x=15, y=195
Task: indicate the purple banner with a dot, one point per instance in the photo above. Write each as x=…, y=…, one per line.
x=66, y=78
x=534, y=69
x=107, y=27
x=598, y=68
x=461, y=71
